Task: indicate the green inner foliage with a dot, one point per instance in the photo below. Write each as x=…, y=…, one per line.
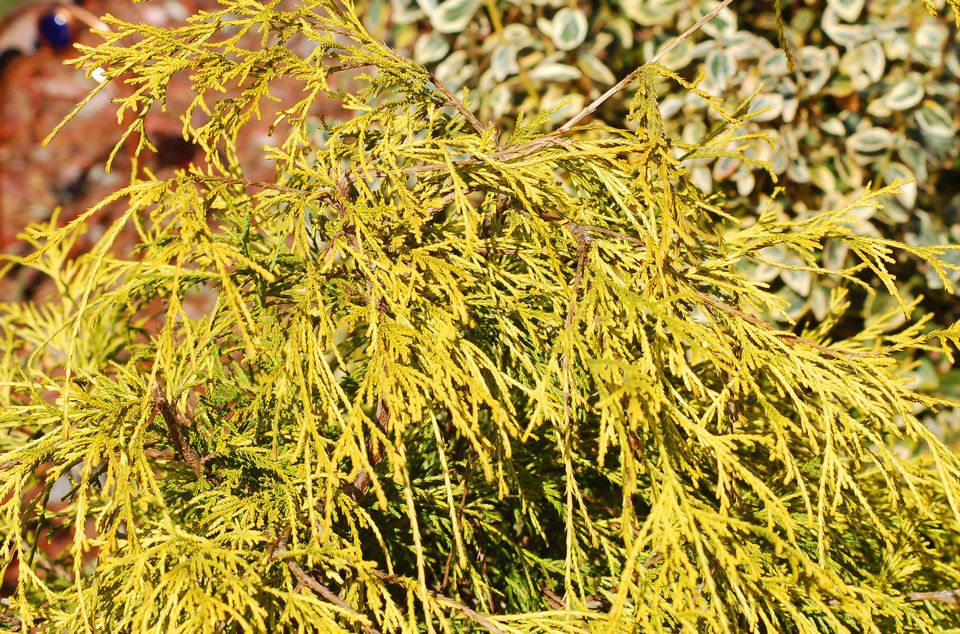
x=437, y=377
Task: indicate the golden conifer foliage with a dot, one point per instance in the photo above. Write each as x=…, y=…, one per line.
x=452, y=381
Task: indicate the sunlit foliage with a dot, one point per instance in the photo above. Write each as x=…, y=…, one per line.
x=437, y=378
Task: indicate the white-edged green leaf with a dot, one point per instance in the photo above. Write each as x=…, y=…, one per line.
x=518, y=34
x=503, y=61
x=848, y=10
x=768, y=105
x=915, y=157
x=906, y=94
x=452, y=16
x=554, y=71
x=428, y=6
x=701, y=178
x=824, y=178
x=846, y=35
x=723, y=25
x=569, y=29
x=774, y=64
x=872, y=59
x=799, y=171
x=720, y=66
x=928, y=41
x=647, y=13
x=851, y=174
x=596, y=70
x=623, y=30
x=870, y=141
x=934, y=120
x=799, y=282
x=908, y=191
x=403, y=12
x=833, y=126
x=455, y=70
x=745, y=181
x=430, y=48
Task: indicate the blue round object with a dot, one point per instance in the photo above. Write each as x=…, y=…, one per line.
x=54, y=29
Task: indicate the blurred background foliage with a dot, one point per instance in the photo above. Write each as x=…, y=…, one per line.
x=872, y=94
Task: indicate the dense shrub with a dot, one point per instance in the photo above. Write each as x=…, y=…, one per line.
x=454, y=378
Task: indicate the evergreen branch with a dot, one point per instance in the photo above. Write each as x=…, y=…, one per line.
x=693, y=450
x=461, y=508
x=583, y=248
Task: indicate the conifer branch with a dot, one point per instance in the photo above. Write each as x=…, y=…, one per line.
x=460, y=511
x=679, y=422
x=583, y=248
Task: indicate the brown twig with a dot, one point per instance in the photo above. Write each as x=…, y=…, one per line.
x=626, y=81
x=470, y=613
x=160, y=454
x=182, y=446
x=460, y=510
x=786, y=336
x=11, y=622
x=951, y=597
x=328, y=594
x=363, y=479
x=458, y=105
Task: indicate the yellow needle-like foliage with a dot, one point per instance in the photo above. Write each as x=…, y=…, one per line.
x=452, y=379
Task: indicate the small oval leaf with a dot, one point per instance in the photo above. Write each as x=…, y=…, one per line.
x=720, y=67
x=870, y=141
x=452, y=16
x=554, y=71
x=596, y=70
x=771, y=105
x=905, y=94
x=908, y=190
x=872, y=59
x=430, y=48
x=569, y=29
x=934, y=120
x=848, y=10
x=503, y=61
